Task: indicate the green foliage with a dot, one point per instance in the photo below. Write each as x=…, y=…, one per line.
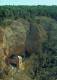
x=27, y=12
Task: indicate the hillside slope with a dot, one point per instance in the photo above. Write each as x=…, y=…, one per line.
x=36, y=42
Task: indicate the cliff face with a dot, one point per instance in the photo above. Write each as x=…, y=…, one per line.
x=35, y=37
x=15, y=36
x=20, y=35
x=2, y=55
x=26, y=38
x=12, y=41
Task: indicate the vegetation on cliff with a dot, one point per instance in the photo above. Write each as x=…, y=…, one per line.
x=29, y=31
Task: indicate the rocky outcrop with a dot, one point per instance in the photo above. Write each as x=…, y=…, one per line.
x=23, y=38
x=15, y=36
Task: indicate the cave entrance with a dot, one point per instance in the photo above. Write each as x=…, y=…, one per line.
x=13, y=61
